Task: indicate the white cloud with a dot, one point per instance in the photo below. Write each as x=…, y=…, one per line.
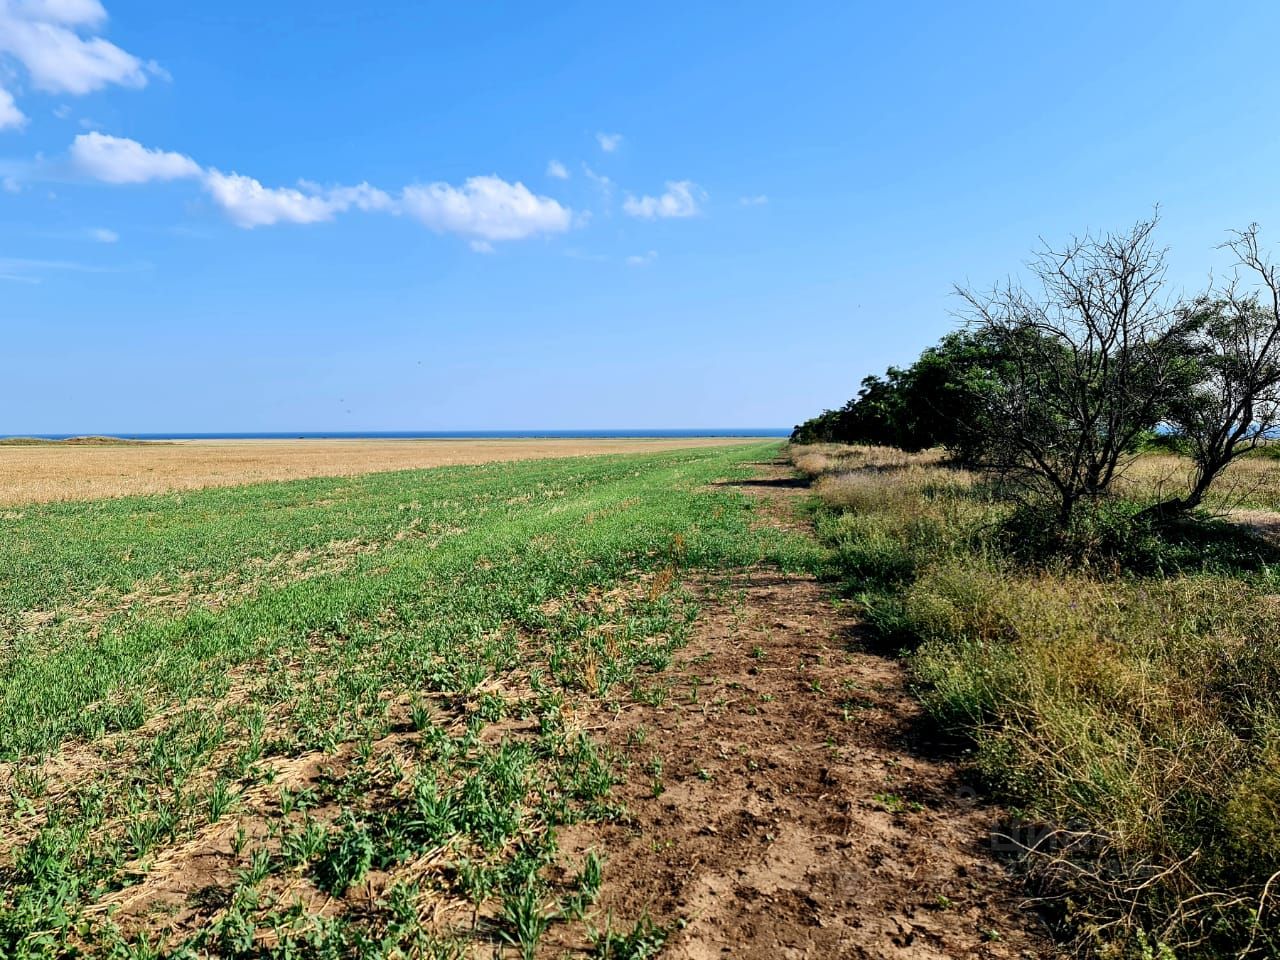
x=103, y=235
x=11, y=185
x=121, y=160
x=639, y=260
x=45, y=36
x=62, y=111
x=597, y=178
x=249, y=204
x=758, y=200
x=485, y=208
x=10, y=115
x=23, y=266
x=556, y=170
x=609, y=142
x=680, y=200
x=362, y=197
x=603, y=184
x=574, y=253
x=84, y=13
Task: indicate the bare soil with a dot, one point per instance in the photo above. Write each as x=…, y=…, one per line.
x=785, y=801
x=38, y=473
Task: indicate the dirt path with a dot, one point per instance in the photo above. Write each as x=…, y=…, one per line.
x=782, y=804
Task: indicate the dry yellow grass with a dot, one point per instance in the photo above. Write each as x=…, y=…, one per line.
x=1251, y=482
x=825, y=458
x=49, y=472
x=1132, y=717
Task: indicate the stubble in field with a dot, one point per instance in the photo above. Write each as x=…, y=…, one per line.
x=42, y=473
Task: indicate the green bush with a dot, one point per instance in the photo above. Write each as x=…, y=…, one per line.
x=1118, y=682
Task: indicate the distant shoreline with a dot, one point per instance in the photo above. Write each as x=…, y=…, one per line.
x=631, y=434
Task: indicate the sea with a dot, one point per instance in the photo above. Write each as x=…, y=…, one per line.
x=651, y=433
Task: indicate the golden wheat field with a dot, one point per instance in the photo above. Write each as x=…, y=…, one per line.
x=46, y=472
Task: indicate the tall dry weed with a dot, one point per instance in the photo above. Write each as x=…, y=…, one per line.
x=1133, y=721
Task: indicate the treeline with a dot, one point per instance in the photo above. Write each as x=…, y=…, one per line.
x=1052, y=386
x=932, y=403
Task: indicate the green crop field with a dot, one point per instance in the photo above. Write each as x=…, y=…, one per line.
x=276, y=720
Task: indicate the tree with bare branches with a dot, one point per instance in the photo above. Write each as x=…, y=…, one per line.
x=1091, y=358
x=1234, y=337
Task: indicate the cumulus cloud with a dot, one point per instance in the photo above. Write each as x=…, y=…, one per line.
x=10, y=116
x=53, y=40
x=609, y=142
x=680, y=200
x=121, y=160
x=245, y=200
x=485, y=208
x=249, y=204
x=362, y=197
x=556, y=170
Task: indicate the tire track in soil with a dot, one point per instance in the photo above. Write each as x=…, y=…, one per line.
x=798, y=813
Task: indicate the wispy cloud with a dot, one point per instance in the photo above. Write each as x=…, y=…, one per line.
x=599, y=179
x=757, y=200
x=609, y=142
x=31, y=270
x=103, y=235
x=556, y=170
x=575, y=253
x=602, y=183
x=681, y=199
x=641, y=259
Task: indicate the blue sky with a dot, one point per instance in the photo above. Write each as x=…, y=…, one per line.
x=309, y=216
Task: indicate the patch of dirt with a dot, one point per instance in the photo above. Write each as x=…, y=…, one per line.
x=783, y=801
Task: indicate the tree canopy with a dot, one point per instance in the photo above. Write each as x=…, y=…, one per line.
x=1053, y=385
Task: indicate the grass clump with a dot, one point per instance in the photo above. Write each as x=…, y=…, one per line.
x=1117, y=684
